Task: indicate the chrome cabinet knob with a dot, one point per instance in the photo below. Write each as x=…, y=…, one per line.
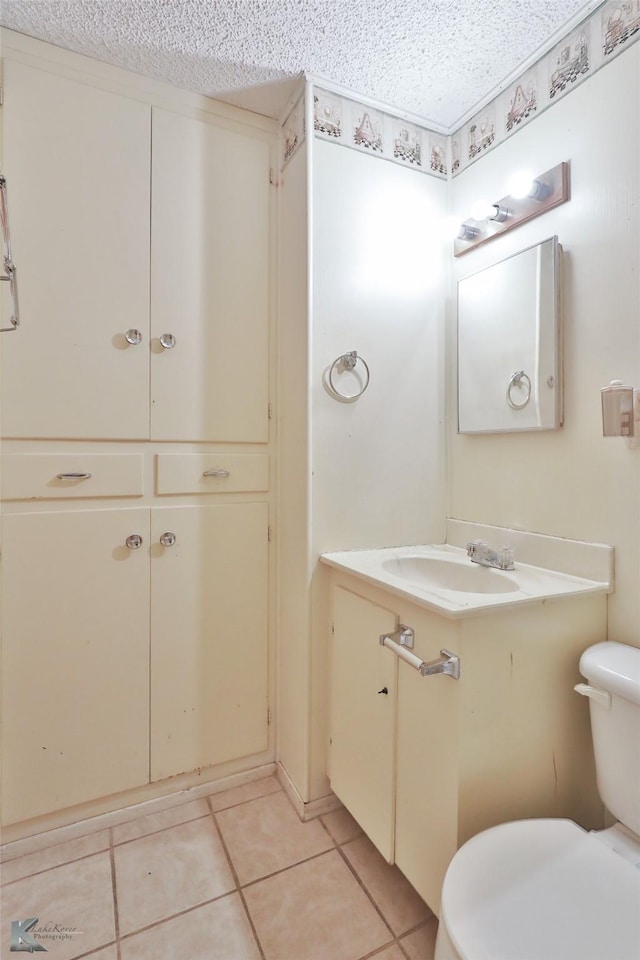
x=134, y=541
x=133, y=337
x=168, y=341
x=168, y=539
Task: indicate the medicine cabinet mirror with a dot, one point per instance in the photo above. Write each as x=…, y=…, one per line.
x=509, y=344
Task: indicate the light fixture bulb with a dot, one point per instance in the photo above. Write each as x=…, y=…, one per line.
x=539, y=190
x=451, y=228
x=520, y=184
x=483, y=210
x=523, y=185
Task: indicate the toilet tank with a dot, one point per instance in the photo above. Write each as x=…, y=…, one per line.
x=614, y=669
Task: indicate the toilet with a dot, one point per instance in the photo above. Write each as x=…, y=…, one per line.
x=547, y=889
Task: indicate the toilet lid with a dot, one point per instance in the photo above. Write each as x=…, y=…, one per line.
x=541, y=890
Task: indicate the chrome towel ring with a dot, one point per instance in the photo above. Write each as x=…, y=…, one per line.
x=517, y=381
x=348, y=361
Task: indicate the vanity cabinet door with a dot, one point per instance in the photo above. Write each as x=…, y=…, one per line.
x=76, y=159
x=427, y=762
x=210, y=233
x=75, y=658
x=363, y=716
x=209, y=629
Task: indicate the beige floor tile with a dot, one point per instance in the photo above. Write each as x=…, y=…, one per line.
x=248, y=791
x=391, y=953
x=391, y=891
x=315, y=911
x=341, y=825
x=216, y=931
x=266, y=835
x=168, y=872
x=109, y=953
x=421, y=944
x=152, y=822
x=78, y=896
x=54, y=856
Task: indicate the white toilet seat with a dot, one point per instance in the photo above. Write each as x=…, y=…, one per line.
x=541, y=890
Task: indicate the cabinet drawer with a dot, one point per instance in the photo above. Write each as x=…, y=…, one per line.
x=50, y=476
x=211, y=473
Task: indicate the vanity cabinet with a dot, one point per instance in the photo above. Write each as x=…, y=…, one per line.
x=435, y=761
x=363, y=710
x=103, y=691
x=142, y=239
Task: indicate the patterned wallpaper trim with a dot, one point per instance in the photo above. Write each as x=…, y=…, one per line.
x=605, y=33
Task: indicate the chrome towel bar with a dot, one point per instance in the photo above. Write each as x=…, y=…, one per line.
x=447, y=663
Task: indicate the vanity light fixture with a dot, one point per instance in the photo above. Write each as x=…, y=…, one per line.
x=529, y=197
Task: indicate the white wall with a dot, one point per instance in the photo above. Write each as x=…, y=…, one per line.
x=378, y=288
x=570, y=483
x=361, y=239
x=379, y=282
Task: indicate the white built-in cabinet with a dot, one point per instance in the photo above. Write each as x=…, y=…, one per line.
x=75, y=658
x=422, y=763
x=142, y=223
x=136, y=596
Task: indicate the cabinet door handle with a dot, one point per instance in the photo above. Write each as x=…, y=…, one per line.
x=384, y=690
x=168, y=539
x=11, y=271
x=168, y=341
x=216, y=473
x=73, y=476
x=134, y=541
x=133, y=337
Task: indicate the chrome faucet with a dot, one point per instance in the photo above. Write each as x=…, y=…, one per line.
x=480, y=552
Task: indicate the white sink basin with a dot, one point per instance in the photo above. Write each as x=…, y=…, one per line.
x=442, y=578
x=450, y=574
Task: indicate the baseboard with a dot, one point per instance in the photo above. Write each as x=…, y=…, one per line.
x=306, y=810
x=23, y=838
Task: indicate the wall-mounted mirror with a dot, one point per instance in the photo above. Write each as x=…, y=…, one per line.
x=509, y=344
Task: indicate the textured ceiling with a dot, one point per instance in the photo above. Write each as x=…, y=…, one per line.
x=433, y=58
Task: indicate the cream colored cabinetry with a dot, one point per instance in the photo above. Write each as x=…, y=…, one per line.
x=135, y=400
x=76, y=159
x=209, y=621
x=505, y=741
x=75, y=689
x=210, y=282
x=87, y=660
x=143, y=243
x=363, y=698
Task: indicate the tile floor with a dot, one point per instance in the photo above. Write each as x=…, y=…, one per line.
x=231, y=876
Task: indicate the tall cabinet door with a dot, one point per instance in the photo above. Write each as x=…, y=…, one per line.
x=209, y=282
x=363, y=716
x=209, y=626
x=76, y=159
x=75, y=658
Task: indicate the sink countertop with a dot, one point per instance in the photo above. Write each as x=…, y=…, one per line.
x=533, y=583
